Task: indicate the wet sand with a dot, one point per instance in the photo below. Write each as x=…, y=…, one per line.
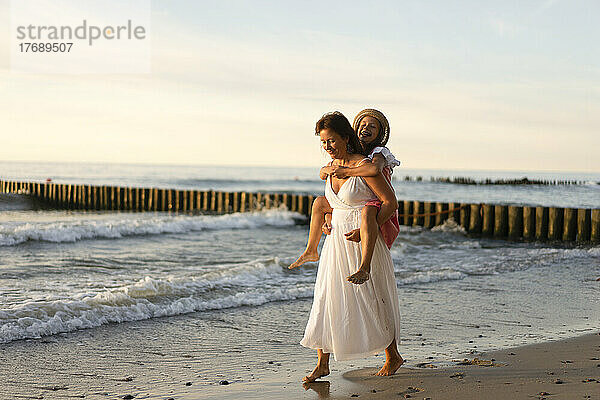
x=253, y=352
x=254, y=349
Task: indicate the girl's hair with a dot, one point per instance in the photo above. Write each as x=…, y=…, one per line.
x=338, y=123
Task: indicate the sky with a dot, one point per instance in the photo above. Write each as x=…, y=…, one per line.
x=508, y=85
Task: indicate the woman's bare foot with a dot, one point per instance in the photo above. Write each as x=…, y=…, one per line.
x=391, y=366
x=317, y=373
x=307, y=256
x=360, y=277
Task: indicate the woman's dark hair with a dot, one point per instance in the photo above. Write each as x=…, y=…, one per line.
x=338, y=123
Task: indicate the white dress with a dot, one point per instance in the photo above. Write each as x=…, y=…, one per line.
x=352, y=321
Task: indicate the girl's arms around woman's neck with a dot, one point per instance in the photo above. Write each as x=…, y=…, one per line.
x=365, y=169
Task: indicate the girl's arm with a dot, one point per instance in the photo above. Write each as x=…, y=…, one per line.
x=326, y=171
x=385, y=194
x=366, y=169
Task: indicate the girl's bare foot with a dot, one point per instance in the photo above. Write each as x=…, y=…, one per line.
x=318, y=372
x=391, y=366
x=360, y=277
x=307, y=256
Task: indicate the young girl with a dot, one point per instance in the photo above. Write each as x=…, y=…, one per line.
x=373, y=131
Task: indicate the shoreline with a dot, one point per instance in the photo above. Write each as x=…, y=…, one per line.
x=256, y=350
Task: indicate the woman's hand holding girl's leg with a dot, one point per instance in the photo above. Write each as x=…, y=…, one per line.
x=326, y=229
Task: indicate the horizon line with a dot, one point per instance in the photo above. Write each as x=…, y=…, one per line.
x=159, y=164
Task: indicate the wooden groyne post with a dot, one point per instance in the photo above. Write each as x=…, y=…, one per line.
x=490, y=220
x=101, y=197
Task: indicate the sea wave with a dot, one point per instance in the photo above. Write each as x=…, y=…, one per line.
x=449, y=225
x=229, y=286
x=250, y=284
x=155, y=297
x=117, y=226
x=431, y=276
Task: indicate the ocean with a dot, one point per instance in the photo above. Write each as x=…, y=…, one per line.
x=68, y=271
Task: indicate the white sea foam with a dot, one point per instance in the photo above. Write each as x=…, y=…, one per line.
x=120, y=225
x=411, y=229
x=151, y=298
x=449, y=225
x=594, y=251
x=464, y=245
x=250, y=284
x=565, y=253
x=432, y=276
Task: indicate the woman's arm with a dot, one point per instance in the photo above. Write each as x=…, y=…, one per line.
x=385, y=194
x=367, y=169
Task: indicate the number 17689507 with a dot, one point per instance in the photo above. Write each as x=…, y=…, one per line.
x=45, y=47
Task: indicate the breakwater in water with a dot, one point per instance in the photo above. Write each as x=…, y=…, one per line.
x=493, y=220
x=518, y=181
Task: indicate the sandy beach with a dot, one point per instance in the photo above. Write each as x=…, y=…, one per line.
x=565, y=369
x=252, y=352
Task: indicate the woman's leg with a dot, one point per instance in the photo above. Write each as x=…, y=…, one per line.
x=393, y=360
x=322, y=368
x=319, y=208
x=368, y=237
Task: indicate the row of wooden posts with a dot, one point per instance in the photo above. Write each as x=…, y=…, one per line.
x=506, y=221
x=517, y=181
x=500, y=221
x=90, y=197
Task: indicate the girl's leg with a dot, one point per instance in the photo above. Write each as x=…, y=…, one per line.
x=393, y=360
x=317, y=218
x=368, y=237
x=322, y=368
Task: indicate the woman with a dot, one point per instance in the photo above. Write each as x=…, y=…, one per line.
x=352, y=321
